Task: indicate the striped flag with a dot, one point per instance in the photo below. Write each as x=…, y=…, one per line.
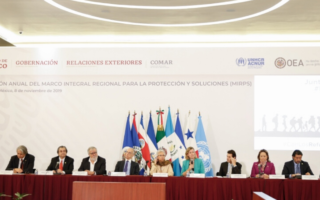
x=144, y=147
x=136, y=143
x=176, y=147
x=161, y=136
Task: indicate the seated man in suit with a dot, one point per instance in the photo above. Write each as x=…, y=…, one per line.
x=22, y=162
x=296, y=166
x=62, y=164
x=231, y=166
x=127, y=165
x=94, y=164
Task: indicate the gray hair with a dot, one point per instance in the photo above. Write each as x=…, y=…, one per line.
x=90, y=148
x=23, y=149
x=161, y=150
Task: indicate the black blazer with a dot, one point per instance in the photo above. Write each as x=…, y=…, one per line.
x=99, y=167
x=28, y=163
x=134, y=169
x=67, y=166
x=288, y=168
x=224, y=169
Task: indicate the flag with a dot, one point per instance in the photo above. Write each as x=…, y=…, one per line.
x=204, y=152
x=189, y=136
x=179, y=133
x=151, y=139
x=136, y=143
x=176, y=147
x=144, y=147
x=161, y=136
x=127, y=140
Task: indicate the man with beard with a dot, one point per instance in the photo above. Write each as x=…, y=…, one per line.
x=94, y=164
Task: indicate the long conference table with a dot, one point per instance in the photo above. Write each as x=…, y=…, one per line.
x=59, y=187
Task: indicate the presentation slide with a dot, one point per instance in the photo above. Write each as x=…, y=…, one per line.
x=287, y=112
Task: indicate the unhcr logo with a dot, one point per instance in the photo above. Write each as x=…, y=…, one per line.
x=252, y=63
x=241, y=62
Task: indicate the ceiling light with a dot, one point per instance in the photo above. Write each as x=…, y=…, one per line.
x=162, y=7
x=278, y=5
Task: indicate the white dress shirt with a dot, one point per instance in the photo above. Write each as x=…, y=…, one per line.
x=92, y=165
x=20, y=162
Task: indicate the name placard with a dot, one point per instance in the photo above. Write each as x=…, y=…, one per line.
x=77, y=173
x=160, y=175
x=276, y=177
x=309, y=177
x=238, y=176
x=45, y=172
x=197, y=175
x=118, y=174
x=6, y=172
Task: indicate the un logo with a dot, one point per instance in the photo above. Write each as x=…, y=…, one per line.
x=204, y=155
x=241, y=62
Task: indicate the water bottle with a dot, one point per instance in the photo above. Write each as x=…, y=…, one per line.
x=145, y=173
x=36, y=172
x=109, y=173
x=188, y=174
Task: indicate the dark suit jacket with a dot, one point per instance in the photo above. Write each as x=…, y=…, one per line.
x=134, y=169
x=224, y=169
x=288, y=168
x=67, y=166
x=99, y=167
x=28, y=163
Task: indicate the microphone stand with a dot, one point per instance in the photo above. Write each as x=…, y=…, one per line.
x=57, y=166
x=146, y=166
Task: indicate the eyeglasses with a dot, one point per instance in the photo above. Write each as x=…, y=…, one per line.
x=93, y=153
x=161, y=155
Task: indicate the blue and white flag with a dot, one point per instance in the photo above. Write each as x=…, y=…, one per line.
x=127, y=140
x=190, y=136
x=151, y=139
x=203, y=148
x=176, y=146
x=178, y=131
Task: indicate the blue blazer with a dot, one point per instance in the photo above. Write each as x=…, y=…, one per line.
x=198, y=166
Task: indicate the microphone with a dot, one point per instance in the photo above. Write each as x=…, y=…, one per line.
x=191, y=162
x=259, y=166
x=57, y=166
x=146, y=166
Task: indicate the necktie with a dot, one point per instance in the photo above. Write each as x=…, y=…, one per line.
x=230, y=169
x=125, y=167
x=61, y=166
x=298, y=169
x=21, y=166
